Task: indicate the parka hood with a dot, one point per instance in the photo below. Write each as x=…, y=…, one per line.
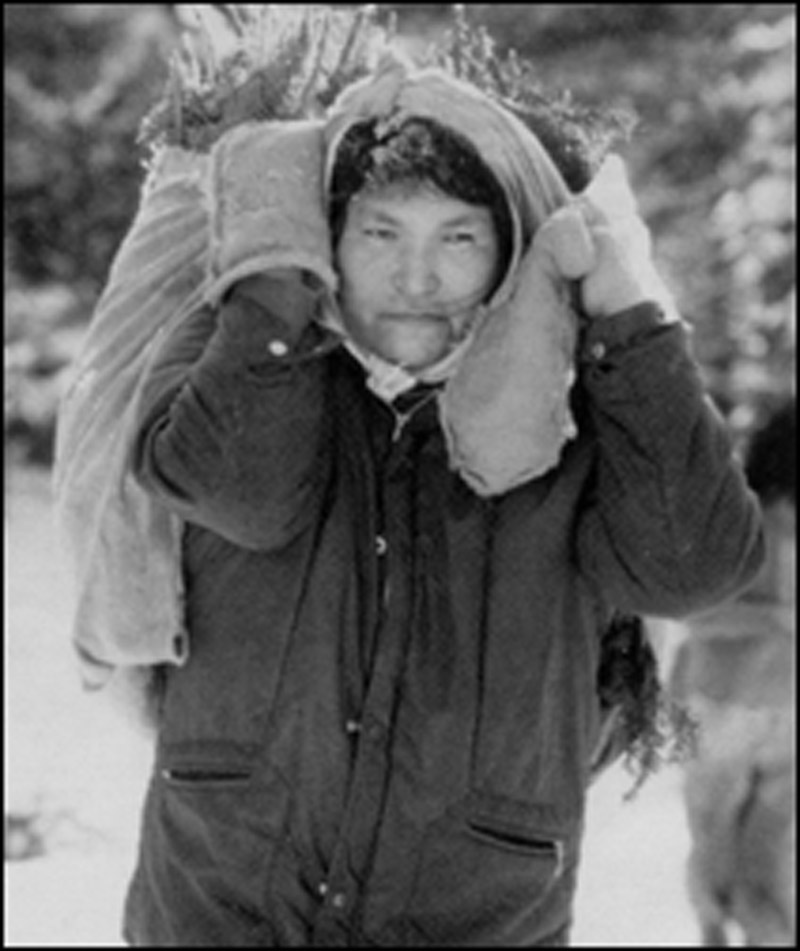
x=533, y=186
x=504, y=402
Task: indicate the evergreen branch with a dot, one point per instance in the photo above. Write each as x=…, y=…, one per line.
x=266, y=61
x=277, y=69
x=652, y=729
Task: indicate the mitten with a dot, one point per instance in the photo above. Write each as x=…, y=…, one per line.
x=600, y=240
x=267, y=206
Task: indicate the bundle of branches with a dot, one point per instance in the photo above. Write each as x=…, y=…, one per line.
x=244, y=62
x=576, y=136
x=241, y=62
x=652, y=729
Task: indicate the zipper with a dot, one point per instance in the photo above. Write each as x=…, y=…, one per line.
x=401, y=419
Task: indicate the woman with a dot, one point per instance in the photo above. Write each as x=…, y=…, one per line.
x=428, y=429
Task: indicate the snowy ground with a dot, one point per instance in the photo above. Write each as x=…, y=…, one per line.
x=75, y=776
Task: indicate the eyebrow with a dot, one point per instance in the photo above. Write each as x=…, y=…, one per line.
x=458, y=221
x=468, y=218
x=383, y=216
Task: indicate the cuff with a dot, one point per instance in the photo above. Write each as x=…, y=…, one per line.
x=285, y=297
x=603, y=336
x=271, y=318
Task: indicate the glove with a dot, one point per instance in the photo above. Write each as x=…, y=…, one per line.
x=267, y=209
x=600, y=240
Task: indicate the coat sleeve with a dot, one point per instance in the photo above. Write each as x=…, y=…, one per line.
x=231, y=430
x=670, y=526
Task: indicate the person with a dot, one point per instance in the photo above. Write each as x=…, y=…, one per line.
x=736, y=673
x=420, y=455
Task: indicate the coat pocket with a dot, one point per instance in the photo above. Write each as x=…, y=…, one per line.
x=215, y=826
x=492, y=872
x=519, y=841
x=199, y=777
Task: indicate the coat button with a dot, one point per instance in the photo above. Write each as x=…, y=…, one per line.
x=381, y=545
x=598, y=351
x=352, y=727
x=278, y=348
x=339, y=900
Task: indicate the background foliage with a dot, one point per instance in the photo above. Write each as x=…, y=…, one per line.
x=712, y=159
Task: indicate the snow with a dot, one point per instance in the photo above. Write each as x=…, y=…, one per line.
x=76, y=773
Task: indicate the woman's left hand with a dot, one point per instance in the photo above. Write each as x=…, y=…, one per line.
x=600, y=241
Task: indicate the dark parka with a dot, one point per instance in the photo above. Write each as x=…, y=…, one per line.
x=383, y=733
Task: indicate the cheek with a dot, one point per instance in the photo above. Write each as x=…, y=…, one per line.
x=474, y=275
x=353, y=286
x=359, y=288
x=363, y=273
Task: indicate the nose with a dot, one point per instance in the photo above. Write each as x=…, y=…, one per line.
x=415, y=275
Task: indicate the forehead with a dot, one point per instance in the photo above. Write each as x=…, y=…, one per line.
x=414, y=200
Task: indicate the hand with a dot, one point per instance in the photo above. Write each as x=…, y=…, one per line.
x=292, y=295
x=600, y=241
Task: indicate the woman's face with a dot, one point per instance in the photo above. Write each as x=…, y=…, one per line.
x=414, y=264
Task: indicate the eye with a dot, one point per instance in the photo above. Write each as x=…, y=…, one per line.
x=379, y=233
x=460, y=238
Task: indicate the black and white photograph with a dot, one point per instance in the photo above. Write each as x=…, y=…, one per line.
x=399, y=456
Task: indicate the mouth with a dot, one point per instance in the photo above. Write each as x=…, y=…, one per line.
x=413, y=316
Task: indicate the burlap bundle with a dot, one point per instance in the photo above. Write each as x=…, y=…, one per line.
x=205, y=221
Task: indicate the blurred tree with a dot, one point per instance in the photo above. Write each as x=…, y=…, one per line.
x=78, y=78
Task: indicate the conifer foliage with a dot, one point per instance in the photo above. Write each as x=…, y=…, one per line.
x=240, y=62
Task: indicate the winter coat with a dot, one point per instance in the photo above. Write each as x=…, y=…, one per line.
x=382, y=735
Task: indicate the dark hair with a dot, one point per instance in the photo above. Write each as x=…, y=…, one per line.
x=770, y=460
x=417, y=151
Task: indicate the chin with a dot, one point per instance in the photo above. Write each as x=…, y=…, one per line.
x=414, y=361
x=414, y=355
